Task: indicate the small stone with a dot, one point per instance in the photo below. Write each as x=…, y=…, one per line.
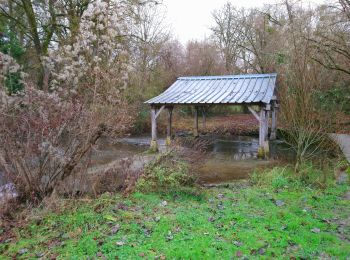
x=164, y=203
x=279, y=203
x=157, y=219
x=316, y=230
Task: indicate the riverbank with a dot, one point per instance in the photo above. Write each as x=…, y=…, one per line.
x=279, y=217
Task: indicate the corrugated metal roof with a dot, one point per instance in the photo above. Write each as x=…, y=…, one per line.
x=232, y=89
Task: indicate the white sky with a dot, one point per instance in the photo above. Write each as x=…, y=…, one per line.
x=191, y=19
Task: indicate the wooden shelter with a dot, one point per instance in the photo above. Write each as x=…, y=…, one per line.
x=253, y=90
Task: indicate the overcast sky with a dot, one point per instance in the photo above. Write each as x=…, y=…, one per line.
x=191, y=19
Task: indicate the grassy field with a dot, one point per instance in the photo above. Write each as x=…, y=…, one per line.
x=282, y=219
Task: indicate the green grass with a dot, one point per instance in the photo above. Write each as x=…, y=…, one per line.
x=220, y=223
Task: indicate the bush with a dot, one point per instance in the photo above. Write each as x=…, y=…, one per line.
x=285, y=177
x=277, y=177
x=166, y=174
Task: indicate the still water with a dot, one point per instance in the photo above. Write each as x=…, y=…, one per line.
x=234, y=158
x=228, y=158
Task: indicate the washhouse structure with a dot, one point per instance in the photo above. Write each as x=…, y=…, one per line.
x=252, y=90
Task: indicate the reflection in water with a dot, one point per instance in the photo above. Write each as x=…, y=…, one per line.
x=107, y=151
x=235, y=149
x=235, y=158
x=229, y=158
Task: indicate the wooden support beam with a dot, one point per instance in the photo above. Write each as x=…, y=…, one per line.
x=195, y=130
x=261, y=128
x=254, y=113
x=168, y=132
x=159, y=111
x=273, y=133
x=267, y=116
x=154, y=142
x=263, y=151
x=204, y=118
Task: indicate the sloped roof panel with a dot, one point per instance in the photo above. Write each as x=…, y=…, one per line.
x=232, y=89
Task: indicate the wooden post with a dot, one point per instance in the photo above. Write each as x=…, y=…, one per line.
x=195, y=131
x=261, y=153
x=204, y=118
x=273, y=121
x=154, y=143
x=169, y=134
x=267, y=118
x=263, y=150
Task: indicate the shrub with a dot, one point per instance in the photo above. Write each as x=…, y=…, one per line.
x=285, y=177
x=166, y=174
x=277, y=177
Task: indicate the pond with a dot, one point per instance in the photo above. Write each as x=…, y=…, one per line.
x=234, y=158
x=228, y=158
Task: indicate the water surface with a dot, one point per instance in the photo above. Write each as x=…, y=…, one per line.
x=228, y=158
x=234, y=158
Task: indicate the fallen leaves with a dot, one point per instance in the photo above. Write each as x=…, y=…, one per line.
x=115, y=229
x=120, y=243
x=211, y=219
x=110, y=218
x=316, y=230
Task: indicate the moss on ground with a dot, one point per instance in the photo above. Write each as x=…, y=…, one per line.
x=269, y=221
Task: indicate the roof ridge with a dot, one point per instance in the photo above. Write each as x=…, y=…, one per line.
x=230, y=76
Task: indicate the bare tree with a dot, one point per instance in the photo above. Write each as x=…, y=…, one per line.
x=147, y=34
x=203, y=58
x=245, y=38
x=332, y=38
